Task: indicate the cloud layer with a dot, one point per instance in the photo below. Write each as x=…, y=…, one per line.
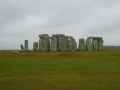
x=26, y=19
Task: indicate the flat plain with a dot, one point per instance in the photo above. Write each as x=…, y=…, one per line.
x=60, y=71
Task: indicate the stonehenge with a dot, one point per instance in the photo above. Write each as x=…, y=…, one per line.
x=62, y=43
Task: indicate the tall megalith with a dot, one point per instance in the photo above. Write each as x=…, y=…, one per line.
x=89, y=44
x=82, y=44
x=44, y=42
x=35, y=46
x=54, y=43
x=71, y=44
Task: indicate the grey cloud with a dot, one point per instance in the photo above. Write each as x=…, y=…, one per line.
x=25, y=19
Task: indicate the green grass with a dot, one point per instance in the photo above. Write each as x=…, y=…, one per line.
x=60, y=71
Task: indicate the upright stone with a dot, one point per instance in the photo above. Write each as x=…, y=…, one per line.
x=89, y=44
x=82, y=45
x=58, y=42
x=26, y=45
x=44, y=42
x=54, y=43
x=95, y=43
x=100, y=43
x=22, y=47
x=61, y=42
x=71, y=44
x=35, y=46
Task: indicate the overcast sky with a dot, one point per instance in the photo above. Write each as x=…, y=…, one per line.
x=26, y=19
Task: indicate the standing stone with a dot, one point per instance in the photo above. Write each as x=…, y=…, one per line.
x=39, y=44
x=58, y=42
x=21, y=47
x=89, y=44
x=44, y=42
x=82, y=45
x=100, y=43
x=35, y=46
x=95, y=43
x=61, y=42
x=71, y=44
x=26, y=45
x=54, y=43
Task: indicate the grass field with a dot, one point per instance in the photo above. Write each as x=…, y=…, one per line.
x=60, y=71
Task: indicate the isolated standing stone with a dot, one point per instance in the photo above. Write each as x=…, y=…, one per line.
x=21, y=47
x=26, y=45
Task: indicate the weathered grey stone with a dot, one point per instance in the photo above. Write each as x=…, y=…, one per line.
x=35, y=46
x=54, y=44
x=44, y=42
x=21, y=47
x=61, y=42
x=100, y=43
x=26, y=45
x=58, y=42
x=71, y=44
x=82, y=45
x=94, y=43
x=89, y=44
